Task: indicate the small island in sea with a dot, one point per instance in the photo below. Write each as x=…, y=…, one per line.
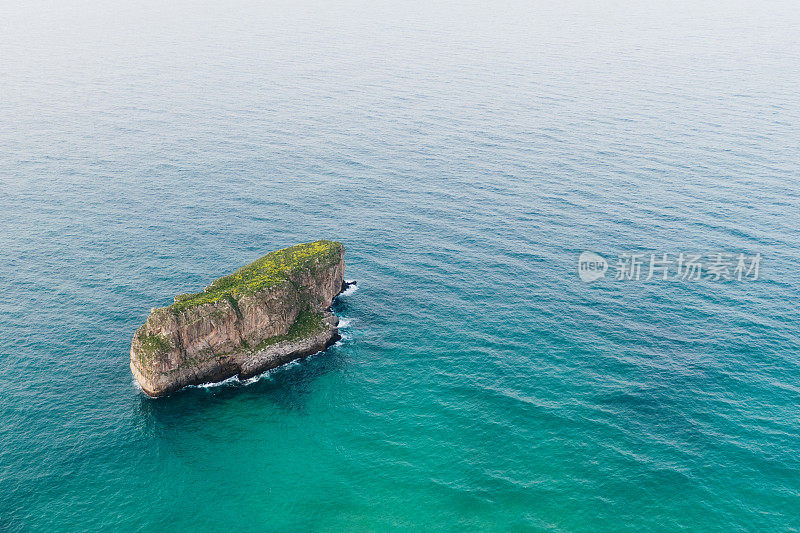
x=265, y=314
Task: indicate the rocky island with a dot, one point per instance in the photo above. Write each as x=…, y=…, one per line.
x=265, y=314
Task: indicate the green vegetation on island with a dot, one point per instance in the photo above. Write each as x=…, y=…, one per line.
x=268, y=271
x=306, y=324
x=152, y=345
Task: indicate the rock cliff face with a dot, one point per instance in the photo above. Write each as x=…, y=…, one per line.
x=263, y=315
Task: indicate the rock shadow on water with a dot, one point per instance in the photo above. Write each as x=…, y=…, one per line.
x=286, y=388
x=279, y=390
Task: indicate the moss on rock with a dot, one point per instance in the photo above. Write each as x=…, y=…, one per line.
x=272, y=269
x=305, y=325
x=153, y=345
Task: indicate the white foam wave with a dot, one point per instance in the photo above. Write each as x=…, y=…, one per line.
x=249, y=381
x=266, y=374
x=353, y=287
x=252, y=380
x=218, y=383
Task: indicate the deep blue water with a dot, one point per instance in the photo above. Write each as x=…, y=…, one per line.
x=465, y=155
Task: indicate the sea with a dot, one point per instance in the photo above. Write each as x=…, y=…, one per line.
x=467, y=154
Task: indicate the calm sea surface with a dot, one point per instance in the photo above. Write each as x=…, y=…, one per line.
x=466, y=155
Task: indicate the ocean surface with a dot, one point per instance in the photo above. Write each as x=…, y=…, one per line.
x=465, y=154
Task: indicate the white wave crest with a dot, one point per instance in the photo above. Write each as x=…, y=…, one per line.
x=249, y=381
x=218, y=383
x=353, y=287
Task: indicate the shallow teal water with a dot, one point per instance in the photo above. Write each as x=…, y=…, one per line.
x=465, y=156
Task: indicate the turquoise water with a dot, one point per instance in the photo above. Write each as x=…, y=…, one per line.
x=465, y=155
